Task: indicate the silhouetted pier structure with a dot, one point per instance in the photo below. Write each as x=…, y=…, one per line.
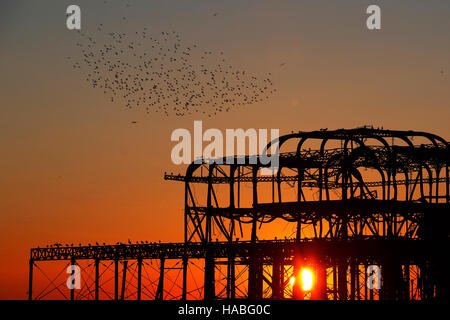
x=355, y=198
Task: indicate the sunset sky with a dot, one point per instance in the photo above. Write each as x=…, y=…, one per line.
x=75, y=169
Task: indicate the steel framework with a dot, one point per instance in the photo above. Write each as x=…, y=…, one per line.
x=347, y=199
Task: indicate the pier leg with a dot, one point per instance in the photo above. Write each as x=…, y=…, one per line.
x=231, y=290
x=297, y=292
x=352, y=280
x=277, y=279
x=139, y=279
x=185, y=266
x=335, y=283
x=97, y=276
x=116, y=279
x=342, y=280
x=209, y=278
x=72, y=290
x=30, y=281
x=160, y=291
x=320, y=293
x=124, y=279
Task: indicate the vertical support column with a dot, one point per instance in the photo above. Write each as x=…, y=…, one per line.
x=352, y=279
x=139, y=278
x=231, y=285
x=343, y=263
x=447, y=184
x=116, y=279
x=406, y=280
x=209, y=284
x=160, y=291
x=297, y=291
x=365, y=282
x=72, y=290
x=320, y=292
x=185, y=266
x=30, y=281
x=358, y=287
x=186, y=210
x=335, y=282
x=342, y=279
x=300, y=177
x=255, y=278
x=232, y=171
x=279, y=185
x=253, y=271
x=277, y=278
x=97, y=276
x=259, y=278
x=255, y=202
x=392, y=278
x=371, y=291
x=124, y=279
x=421, y=280
x=273, y=187
x=239, y=187
x=208, y=226
x=386, y=288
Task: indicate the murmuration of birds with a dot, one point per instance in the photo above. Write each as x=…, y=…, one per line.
x=158, y=72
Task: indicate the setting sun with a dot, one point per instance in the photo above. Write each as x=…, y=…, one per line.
x=307, y=279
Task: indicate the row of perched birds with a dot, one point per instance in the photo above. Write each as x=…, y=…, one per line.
x=59, y=245
x=159, y=73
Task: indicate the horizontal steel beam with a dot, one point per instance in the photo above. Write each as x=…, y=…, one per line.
x=327, y=248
